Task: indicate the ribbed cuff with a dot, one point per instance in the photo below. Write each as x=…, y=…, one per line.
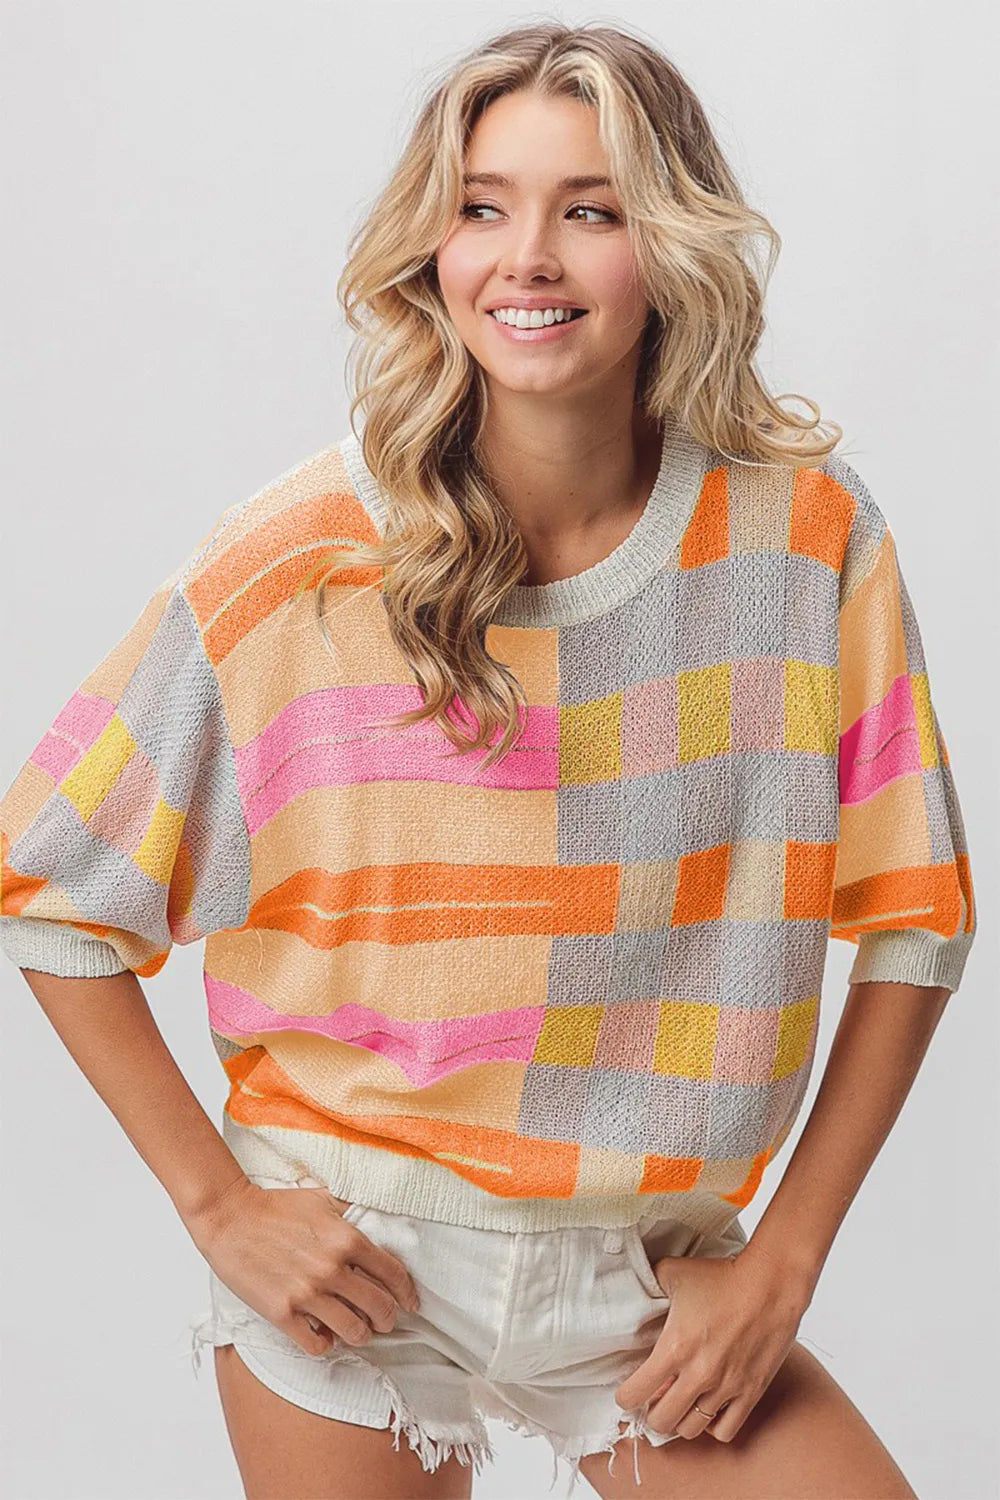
x=54, y=948
x=911, y=956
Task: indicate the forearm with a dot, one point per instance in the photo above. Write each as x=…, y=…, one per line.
x=107, y=1027
x=880, y=1042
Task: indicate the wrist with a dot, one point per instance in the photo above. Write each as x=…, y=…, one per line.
x=794, y=1268
x=211, y=1204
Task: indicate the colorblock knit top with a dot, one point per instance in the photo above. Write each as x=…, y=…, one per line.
x=583, y=986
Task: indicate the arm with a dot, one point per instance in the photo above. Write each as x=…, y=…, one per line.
x=733, y=1319
x=265, y=1255
x=902, y=892
x=880, y=1042
x=107, y=1027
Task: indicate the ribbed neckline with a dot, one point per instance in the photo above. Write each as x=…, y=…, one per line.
x=617, y=577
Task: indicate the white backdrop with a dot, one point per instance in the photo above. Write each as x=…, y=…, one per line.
x=181, y=179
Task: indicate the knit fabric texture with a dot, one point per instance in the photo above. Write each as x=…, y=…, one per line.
x=581, y=987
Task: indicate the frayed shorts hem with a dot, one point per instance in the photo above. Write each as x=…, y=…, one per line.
x=435, y=1444
x=433, y=1447
x=574, y=1449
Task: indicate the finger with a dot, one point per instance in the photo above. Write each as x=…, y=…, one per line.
x=339, y=1316
x=730, y=1419
x=311, y=1335
x=694, y=1421
x=650, y=1380
x=373, y=1300
x=386, y=1268
x=315, y=1337
x=673, y=1412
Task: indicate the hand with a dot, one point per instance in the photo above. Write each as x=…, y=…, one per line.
x=731, y=1322
x=291, y=1257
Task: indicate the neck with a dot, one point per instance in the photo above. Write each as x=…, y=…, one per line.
x=567, y=474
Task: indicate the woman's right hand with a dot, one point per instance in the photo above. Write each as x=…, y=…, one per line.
x=290, y=1256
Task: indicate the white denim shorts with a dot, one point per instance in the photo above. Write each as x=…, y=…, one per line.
x=536, y=1329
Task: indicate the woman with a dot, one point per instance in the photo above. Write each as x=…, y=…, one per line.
x=517, y=866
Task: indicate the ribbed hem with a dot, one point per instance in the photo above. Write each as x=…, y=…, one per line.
x=911, y=956
x=54, y=948
x=403, y=1184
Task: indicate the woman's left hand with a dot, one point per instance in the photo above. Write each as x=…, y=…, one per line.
x=731, y=1322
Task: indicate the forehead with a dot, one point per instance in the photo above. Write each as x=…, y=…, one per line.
x=530, y=139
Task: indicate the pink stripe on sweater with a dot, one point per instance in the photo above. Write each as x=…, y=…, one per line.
x=880, y=746
x=71, y=734
x=423, y=1050
x=332, y=738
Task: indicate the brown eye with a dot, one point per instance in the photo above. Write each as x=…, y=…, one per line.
x=592, y=208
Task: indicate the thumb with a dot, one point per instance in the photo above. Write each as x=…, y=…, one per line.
x=668, y=1269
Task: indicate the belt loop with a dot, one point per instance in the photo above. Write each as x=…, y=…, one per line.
x=613, y=1240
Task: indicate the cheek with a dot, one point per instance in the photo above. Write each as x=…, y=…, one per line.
x=460, y=276
x=616, y=287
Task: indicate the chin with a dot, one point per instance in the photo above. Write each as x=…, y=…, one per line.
x=530, y=385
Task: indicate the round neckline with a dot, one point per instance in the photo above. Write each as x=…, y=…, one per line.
x=614, y=578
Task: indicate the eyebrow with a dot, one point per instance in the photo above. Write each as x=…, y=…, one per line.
x=497, y=179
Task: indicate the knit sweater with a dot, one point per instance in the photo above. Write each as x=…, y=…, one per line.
x=583, y=986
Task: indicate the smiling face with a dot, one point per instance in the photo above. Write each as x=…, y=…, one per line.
x=525, y=238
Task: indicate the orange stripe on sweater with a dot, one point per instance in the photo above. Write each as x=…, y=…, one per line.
x=262, y=1094
x=413, y=903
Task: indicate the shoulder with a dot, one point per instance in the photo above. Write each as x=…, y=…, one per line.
x=864, y=537
x=264, y=551
x=868, y=521
x=307, y=509
x=824, y=511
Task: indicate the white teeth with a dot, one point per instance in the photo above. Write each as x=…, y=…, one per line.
x=521, y=317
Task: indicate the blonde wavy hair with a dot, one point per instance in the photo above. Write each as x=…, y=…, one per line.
x=450, y=550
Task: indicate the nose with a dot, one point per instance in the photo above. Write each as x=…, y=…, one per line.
x=529, y=251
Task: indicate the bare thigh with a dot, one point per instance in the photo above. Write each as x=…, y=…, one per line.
x=286, y=1453
x=804, y=1440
